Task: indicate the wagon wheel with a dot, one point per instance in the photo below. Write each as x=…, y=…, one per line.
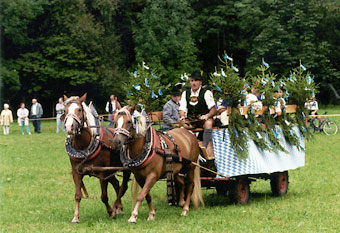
x=240, y=191
x=222, y=188
x=279, y=183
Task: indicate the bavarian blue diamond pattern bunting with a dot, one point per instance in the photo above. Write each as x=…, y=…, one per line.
x=258, y=161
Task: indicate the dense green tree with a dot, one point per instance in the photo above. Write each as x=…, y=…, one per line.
x=70, y=47
x=283, y=32
x=49, y=47
x=163, y=38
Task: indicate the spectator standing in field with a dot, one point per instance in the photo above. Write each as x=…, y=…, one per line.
x=22, y=114
x=6, y=118
x=170, y=110
x=36, y=113
x=60, y=111
x=111, y=107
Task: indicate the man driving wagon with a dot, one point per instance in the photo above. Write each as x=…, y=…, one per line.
x=197, y=107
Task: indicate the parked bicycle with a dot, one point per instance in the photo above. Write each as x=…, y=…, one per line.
x=324, y=125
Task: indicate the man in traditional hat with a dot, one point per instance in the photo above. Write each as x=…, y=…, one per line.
x=170, y=110
x=198, y=105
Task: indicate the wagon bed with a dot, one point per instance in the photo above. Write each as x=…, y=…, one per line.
x=236, y=174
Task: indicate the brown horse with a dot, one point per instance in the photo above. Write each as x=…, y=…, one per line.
x=81, y=126
x=130, y=136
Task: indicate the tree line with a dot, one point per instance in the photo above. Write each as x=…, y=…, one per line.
x=55, y=47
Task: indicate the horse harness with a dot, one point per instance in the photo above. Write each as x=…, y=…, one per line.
x=150, y=150
x=100, y=138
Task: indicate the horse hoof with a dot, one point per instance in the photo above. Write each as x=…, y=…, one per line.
x=184, y=213
x=132, y=219
x=151, y=218
x=75, y=221
x=119, y=214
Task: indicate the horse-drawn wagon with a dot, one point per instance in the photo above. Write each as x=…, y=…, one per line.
x=92, y=151
x=222, y=169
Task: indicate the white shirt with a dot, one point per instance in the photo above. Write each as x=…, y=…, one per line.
x=208, y=97
x=312, y=106
x=34, y=109
x=23, y=112
x=114, y=107
x=59, y=108
x=278, y=104
x=250, y=98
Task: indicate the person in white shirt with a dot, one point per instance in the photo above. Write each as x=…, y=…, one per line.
x=280, y=103
x=252, y=100
x=22, y=114
x=60, y=111
x=313, y=107
x=6, y=118
x=198, y=105
x=111, y=107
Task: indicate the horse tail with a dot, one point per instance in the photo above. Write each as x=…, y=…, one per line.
x=134, y=191
x=197, y=197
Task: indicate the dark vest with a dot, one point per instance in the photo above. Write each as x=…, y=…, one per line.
x=111, y=107
x=199, y=109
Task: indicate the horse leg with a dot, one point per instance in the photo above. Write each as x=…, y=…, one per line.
x=105, y=199
x=77, y=179
x=83, y=188
x=180, y=183
x=189, y=189
x=115, y=184
x=152, y=211
x=118, y=203
x=147, y=185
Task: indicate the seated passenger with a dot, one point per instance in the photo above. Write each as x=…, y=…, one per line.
x=280, y=103
x=198, y=105
x=170, y=110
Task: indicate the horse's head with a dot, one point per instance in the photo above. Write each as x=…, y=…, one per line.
x=74, y=117
x=129, y=123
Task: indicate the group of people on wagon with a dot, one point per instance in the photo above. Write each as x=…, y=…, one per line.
x=195, y=107
x=196, y=104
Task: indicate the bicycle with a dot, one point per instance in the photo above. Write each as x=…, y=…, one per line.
x=326, y=126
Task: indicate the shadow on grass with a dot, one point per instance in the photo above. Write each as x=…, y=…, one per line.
x=213, y=199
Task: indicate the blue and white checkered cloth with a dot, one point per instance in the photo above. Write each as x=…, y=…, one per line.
x=258, y=161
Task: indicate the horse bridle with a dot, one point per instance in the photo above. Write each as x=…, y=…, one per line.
x=75, y=117
x=125, y=132
x=128, y=133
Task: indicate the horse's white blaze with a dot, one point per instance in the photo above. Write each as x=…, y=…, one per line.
x=71, y=110
x=120, y=122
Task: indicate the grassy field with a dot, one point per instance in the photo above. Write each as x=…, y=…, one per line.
x=37, y=194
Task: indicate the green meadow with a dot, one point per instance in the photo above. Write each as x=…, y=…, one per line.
x=37, y=194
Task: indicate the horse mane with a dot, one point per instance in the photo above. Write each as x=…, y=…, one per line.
x=72, y=98
x=140, y=119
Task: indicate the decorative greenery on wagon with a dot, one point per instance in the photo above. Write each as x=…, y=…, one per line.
x=230, y=87
x=233, y=88
x=300, y=85
x=143, y=88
